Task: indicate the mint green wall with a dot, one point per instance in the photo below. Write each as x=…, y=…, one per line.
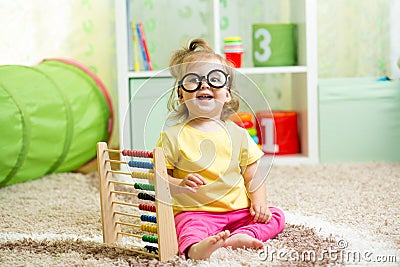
x=169, y=24
x=353, y=38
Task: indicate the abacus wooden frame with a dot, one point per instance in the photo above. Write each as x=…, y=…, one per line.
x=167, y=241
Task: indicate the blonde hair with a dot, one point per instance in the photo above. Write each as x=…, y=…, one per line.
x=195, y=51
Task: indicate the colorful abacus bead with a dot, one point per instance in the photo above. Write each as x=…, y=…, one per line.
x=137, y=153
x=146, y=196
x=149, y=228
x=147, y=187
x=148, y=218
x=147, y=207
x=142, y=175
x=151, y=249
x=150, y=238
x=141, y=164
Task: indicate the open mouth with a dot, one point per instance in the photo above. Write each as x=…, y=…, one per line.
x=205, y=97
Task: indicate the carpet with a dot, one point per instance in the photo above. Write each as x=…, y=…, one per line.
x=337, y=214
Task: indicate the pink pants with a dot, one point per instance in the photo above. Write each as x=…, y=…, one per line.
x=194, y=226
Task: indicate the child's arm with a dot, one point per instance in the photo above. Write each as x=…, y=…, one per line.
x=189, y=184
x=257, y=193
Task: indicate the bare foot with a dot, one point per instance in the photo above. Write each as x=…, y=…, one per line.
x=243, y=240
x=207, y=246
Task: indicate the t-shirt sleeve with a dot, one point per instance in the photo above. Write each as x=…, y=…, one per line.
x=165, y=143
x=250, y=152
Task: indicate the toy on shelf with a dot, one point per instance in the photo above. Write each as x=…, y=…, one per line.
x=274, y=44
x=122, y=201
x=277, y=131
x=233, y=50
x=139, y=41
x=245, y=120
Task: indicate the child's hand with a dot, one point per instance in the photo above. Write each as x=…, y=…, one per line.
x=192, y=181
x=260, y=212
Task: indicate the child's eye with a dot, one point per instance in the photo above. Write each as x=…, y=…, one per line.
x=215, y=79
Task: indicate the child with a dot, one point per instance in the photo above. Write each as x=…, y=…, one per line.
x=220, y=198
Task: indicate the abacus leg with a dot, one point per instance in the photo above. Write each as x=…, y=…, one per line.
x=167, y=240
x=108, y=216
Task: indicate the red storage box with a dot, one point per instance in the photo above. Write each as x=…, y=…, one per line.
x=277, y=132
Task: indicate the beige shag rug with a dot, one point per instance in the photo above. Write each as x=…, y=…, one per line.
x=337, y=214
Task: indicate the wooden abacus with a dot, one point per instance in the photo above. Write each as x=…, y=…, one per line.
x=161, y=227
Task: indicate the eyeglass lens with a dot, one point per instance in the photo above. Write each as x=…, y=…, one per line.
x=215, y=78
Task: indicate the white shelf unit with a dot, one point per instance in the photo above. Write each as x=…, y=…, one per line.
x=303, y=83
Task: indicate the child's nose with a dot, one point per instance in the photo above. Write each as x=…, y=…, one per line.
x=204, y=83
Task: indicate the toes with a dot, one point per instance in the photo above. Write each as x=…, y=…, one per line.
x=226, y=234
x=258, y=244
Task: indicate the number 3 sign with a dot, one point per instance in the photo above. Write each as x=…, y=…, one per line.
x=274, y=45
x=262, y=51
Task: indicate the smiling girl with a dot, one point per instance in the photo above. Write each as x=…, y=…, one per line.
x=219, y=192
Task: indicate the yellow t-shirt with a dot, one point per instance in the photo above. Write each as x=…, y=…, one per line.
x=217, y=157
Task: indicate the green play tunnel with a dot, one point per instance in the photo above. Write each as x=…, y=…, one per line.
x=52, y=116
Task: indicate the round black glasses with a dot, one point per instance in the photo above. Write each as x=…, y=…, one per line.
x=191, y=82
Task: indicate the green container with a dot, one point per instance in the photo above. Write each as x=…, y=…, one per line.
x=274, y=45
x=52, y=116
x=359, y=120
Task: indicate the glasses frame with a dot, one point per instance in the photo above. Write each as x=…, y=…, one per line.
x=201, y=78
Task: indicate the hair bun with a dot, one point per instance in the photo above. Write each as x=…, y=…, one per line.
x=199, y=44
x=193, y=45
